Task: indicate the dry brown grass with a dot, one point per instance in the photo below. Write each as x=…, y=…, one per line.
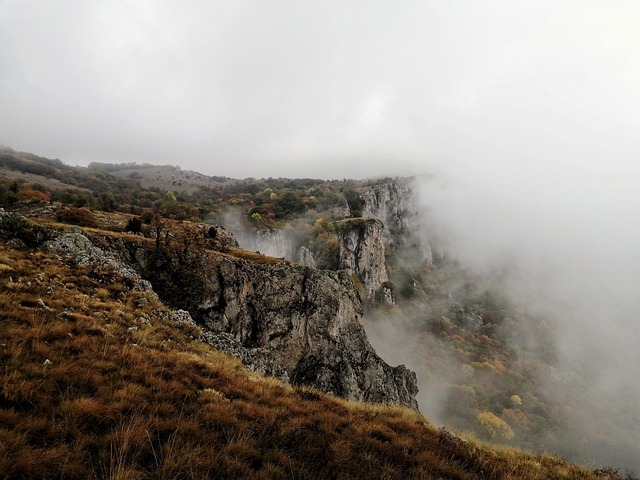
x=254, y=257
x=83, y=395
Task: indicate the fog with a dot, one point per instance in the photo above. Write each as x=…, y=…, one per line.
x=526, y=114
x=571, y=254
x=332, y=89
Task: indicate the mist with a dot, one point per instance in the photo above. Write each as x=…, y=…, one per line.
x=329, y=90
x=563, y=248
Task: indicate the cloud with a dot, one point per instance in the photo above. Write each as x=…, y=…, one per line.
x=244, y=88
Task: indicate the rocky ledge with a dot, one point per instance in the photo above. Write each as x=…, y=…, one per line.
x=293, y=322
x=308, y=320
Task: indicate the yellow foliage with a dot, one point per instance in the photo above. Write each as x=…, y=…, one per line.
x=516, y=399
x=468, y=369
x=497, y=428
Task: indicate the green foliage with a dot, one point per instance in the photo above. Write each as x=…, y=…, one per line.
x=8, y=192
x=16, y=227
x=355, y=202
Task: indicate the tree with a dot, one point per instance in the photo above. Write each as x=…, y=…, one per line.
x=494, y=426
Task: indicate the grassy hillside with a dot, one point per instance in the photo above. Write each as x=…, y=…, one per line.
x=96, y=381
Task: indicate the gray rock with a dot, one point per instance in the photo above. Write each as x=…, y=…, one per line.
x=258, y=360
x=362, y=249
x=274, y=243
x=221, y=236
x=308, y=320
x=394, y=203
x=305, y=257
x=295, y=323
x=181, y=316
x=74, y=247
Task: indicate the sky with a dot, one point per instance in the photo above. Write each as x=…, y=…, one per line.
x=327, y=89
x=527, y=114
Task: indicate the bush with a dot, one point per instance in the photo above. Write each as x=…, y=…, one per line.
x=495, y=427
x=134, y=225
x=16, y=227
x=77, y=216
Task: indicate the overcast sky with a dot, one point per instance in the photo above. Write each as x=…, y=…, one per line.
x=330, y=89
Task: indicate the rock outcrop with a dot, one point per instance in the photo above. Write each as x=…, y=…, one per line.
x=305, y=257
x=362, y=246
x=296, y=323
x=394, y=203
x=391, y=201
x=308, y=320
x=274, y=243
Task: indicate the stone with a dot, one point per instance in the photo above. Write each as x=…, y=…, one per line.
x=305, y=257
x=362, y=249
x=394, y=202
x=306, y=320
x=181, y=316
x=274, y=243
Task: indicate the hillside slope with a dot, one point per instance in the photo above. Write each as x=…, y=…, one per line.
x=98, y=381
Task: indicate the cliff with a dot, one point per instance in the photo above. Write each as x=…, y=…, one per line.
x=394, y=203
x=362, y=247
x=296, y=323
x=308, y=320
x=99, y=380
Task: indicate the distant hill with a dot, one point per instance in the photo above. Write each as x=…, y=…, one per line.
x=162, y=177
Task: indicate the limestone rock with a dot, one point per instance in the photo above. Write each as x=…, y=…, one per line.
x=362, y=246
x=257, y=360
x=296, y=323
x=274, y=243
x=391, y=201
x=221, y=237
x=181, y=316
x=307, y=319
x=394, y=203
x=306, y=258
x=75, y=247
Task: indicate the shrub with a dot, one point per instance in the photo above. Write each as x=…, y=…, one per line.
x=14, y=226
x=31, y=195
x=77, y=216
x=134, y=225
x=495, y=427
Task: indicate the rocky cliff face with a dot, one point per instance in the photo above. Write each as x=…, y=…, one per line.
x=362, y=245
x=296, y=323
x=307, y=319
x=394, y=203
x=276, y=243
x=390, y=201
